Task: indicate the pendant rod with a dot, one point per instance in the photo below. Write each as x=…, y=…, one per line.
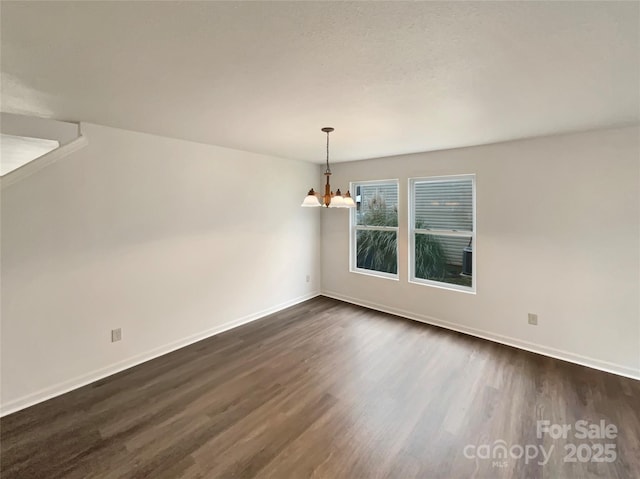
x=327, y=130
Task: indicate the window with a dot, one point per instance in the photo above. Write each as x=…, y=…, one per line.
x=374, y=228
x=442, y=231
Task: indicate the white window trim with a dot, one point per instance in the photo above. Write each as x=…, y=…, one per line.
x=353, y=227
x=413, y=231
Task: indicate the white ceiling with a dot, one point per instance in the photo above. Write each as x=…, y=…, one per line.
x=391, y=77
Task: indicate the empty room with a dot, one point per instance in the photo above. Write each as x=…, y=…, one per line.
x=317, y=239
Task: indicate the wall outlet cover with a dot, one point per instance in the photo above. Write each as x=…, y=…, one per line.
x=116, y=335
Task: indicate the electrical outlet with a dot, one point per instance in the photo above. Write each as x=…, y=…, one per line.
x=116, y=335
x=308, y=278
x=533, y=319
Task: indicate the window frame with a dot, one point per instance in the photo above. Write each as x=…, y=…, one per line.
x=449, y=233
x=354, y=227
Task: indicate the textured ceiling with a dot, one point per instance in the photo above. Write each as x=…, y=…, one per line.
x=391, y=77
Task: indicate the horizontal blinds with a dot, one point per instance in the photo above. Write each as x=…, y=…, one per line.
x=377, y=204
x=444, y=204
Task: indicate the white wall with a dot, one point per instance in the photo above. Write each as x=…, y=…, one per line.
x=167, y=239
x=557, y=235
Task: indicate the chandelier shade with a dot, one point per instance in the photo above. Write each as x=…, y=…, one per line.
x=311, y=199
x=337, y=201
x=329, y=200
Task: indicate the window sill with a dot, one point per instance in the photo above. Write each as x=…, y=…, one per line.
x=439, y=285
x=376, y=274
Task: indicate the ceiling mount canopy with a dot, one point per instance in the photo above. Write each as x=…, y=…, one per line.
x=329, y=200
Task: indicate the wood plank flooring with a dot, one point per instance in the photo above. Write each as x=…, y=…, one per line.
x=330, y=390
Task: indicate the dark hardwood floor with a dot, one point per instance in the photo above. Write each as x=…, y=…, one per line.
x=330, y=390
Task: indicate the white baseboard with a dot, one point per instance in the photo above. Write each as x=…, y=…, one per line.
x=90, y=377
x=498, y=338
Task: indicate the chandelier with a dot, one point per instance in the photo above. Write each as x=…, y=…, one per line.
x=329, y=200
